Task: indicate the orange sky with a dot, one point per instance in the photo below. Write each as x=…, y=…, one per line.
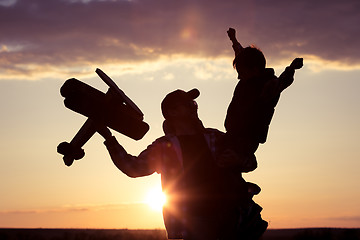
x=308, y=169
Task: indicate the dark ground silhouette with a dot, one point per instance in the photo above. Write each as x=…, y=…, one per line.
x=125, y=234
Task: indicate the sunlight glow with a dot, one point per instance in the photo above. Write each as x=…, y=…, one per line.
x=156, y=199
x=187, y=33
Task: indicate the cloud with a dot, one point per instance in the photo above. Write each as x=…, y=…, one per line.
x=7, y=3
x=51, y=36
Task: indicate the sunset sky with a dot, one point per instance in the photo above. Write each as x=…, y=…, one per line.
x=308, y=169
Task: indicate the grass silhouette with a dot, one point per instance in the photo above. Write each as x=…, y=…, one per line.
x=159, y=234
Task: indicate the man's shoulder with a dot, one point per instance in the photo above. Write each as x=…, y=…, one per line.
x=214, y=131
x=164, y=138
x=170, y=137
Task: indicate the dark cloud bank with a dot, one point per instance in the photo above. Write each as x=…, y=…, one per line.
x=67, y=33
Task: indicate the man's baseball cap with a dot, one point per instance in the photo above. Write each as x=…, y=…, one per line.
x=176, y=98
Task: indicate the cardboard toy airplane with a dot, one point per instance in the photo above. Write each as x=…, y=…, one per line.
x=113, y=109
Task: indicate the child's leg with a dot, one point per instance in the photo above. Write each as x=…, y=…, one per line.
x=239, y=153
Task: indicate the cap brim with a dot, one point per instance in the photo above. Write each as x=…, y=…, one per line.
x=193, y=93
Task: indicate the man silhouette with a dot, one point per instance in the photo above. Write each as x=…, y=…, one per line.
x=185, y=158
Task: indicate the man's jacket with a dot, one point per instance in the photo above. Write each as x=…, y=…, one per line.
x=163, y=156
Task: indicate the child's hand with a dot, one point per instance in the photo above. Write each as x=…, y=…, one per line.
x=297, y=63
x=231, y=33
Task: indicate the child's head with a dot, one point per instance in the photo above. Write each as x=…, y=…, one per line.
x=249, y=62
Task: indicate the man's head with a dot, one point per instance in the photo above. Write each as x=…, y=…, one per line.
x=180, y=103
x=249, y=62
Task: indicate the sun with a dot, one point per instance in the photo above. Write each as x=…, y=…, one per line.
x=155, y=198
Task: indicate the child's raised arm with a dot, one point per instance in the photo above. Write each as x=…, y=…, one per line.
x=287, y=77
x=236, y=45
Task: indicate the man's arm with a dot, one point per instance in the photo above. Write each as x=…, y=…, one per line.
x=132, y=166
x=236, y=45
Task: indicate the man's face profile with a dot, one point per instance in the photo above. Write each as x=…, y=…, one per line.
x=185, y=110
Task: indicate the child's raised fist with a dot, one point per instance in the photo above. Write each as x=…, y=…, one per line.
x=297, y=63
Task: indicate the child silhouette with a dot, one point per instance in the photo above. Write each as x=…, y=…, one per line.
x=253, y=104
